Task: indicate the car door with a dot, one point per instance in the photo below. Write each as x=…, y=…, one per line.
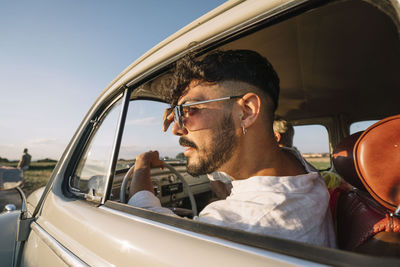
x=66, y=231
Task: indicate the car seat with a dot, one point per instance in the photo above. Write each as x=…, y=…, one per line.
x=370, y=161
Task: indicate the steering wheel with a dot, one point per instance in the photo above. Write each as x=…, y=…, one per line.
x=122, y=194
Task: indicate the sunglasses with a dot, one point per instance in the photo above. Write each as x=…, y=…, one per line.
x=185, y=110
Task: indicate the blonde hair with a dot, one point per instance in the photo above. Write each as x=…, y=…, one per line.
x=286, y=130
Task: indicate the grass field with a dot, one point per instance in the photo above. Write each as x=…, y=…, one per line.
x=320, y=163
x=39, y=172
x=37, y=175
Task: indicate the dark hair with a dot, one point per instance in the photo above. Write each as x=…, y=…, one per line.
x=232, y=65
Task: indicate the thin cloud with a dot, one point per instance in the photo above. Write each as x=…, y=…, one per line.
x=44, y=141
x=149, y=121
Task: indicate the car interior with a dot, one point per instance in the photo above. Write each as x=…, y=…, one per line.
x=338, y=63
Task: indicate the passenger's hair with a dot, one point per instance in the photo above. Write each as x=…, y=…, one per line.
x=286, y=130
x=25, y=150
x=221, y=66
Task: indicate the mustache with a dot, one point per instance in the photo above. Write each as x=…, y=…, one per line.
x=185, y=142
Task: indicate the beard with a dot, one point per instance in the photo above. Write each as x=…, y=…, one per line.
x=211, y=159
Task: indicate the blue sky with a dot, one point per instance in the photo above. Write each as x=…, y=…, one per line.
x=57, y=56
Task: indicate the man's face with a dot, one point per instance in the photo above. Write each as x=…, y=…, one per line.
x=208, y=132
x=210, y=156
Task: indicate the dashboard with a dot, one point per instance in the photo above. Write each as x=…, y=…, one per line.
x=167, y=187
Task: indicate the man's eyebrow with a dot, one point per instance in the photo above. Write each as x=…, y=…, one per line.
x=191, y=100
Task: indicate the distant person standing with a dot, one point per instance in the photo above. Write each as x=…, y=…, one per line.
x=25, y=161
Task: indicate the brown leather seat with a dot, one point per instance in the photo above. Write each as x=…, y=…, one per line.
x=377, y=161
x=364, y=215
x=344, y=162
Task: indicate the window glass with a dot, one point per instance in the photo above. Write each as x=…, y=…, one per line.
x=143, y=132
x=360, y=126
x=92, y=169
x=313, y=142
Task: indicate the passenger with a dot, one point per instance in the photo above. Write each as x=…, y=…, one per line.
x=284, y=132
x=224, y=110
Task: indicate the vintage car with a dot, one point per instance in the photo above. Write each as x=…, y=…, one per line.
x=11, y=179
x=338, y=63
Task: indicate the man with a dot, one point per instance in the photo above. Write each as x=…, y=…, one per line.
x=25, y=161
x=224, y=109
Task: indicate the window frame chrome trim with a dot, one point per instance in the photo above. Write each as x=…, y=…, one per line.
x=117, y=144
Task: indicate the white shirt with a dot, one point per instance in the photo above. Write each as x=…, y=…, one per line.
x=290, y=207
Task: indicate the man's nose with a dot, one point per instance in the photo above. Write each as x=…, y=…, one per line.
x=176, y=130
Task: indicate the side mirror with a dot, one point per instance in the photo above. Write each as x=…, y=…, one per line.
x=10, y=177
x=9, y=207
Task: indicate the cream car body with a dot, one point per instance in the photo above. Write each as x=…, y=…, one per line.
x=68, y=227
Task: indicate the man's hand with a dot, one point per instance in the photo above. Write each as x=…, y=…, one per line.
x=149, y=160
x=168, y=118
x=141, y=172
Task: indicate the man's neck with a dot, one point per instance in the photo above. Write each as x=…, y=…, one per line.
x=262, y=158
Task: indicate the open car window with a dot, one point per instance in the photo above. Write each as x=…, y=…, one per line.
x=313, y=142
x=143, y=132
x=361, y=126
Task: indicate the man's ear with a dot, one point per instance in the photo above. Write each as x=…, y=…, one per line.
x=278, y=136
x=251, y=108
